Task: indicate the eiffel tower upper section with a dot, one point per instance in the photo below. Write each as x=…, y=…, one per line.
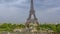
x=32, y=13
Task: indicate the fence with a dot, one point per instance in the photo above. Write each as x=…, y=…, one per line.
x=27, y=33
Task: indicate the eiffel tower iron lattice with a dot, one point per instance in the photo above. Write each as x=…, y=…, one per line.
x=32, y=13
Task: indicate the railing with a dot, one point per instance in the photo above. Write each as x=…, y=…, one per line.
x=33, y=33
x=28, y=33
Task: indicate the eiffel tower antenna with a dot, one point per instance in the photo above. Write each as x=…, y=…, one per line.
x=32, y=5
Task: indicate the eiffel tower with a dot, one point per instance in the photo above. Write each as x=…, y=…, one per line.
x=32, y=13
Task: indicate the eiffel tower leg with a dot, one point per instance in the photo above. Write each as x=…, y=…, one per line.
x=29, y=17
x=35, y=17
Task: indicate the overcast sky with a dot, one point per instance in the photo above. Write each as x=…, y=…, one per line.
x=17, y=11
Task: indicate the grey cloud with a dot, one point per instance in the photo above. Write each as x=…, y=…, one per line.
x=18, y=10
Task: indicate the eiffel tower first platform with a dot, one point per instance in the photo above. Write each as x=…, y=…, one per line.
x=31, y=13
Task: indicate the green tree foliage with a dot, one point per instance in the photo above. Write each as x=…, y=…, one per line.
x=52, y=27
x=6, y=27
x=11, y=27
x=58, y=28
x=47, y=26
x=20, y=26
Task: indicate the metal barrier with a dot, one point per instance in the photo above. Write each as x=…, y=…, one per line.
x=28, y=33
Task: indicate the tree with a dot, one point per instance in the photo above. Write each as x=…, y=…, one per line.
x=58, y=28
